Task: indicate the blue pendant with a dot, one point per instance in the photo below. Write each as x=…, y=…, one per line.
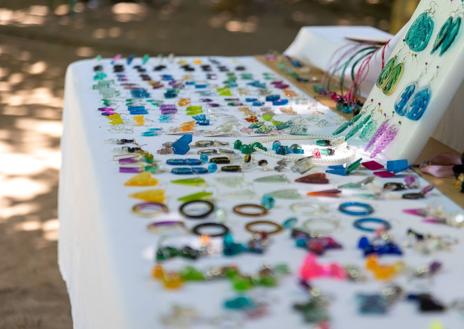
x=403, y=100
x=420, y=32
x=419, y=104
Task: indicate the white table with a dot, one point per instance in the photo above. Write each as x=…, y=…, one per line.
x=106, y=253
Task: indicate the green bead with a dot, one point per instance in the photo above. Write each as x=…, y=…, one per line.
x=241, y=284
x=237, y=144
x=189, y=273
x=267, y=281
x=231, y=272
x=258, y=145
x=323, y=142
x=246, y=149
x=268, y=116
x=166, y=253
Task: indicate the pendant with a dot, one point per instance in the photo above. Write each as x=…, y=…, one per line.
x=290, y=194
x=272, y=179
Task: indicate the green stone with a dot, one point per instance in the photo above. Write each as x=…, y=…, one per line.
x=189, y=273
x=272, y=179
x=246, y=149
x=267, y=116
x=267, y=281
x=196, y=181
x=241, y=284
x=237, y=144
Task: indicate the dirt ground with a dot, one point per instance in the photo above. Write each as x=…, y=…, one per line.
x=36, y=45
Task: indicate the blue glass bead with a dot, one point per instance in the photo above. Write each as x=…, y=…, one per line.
x=258, y=103
x=267, y=201
x=190, y=83
x=363, y=243
x=290, y=223
x=175, y=162
x=199, y=170
x=272, y=98
x=181, y=146
x=166, y=77
x=204, y=158
x=275, y=145
x=282, y=150
x=165, y=118
x=230, y=247
x=212, y=167
x=250, y=100
x=280, y=102
x=192, y=162
x=301, y=242
x=182, y=171
x=296, y=149
x=239, y=303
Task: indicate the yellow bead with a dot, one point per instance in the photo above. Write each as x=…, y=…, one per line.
x=197, y=61
x=157, y=272
x=172, y=281
x=371, y=262
x=115, y=119
x=183, y=102
x=139, y=120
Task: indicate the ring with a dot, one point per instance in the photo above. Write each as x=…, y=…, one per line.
x=347, y=208
x=154, y=227
x=394, y=186
x=206, y=213
x=333, y=225
x=240, y=210
x=359, y=224
x=149, y=209
x=276, y=228
x=197, y=229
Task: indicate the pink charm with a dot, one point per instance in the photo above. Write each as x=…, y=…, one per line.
x=317, y=153
x=372, y=165
x=311, y=269
x=384, y=174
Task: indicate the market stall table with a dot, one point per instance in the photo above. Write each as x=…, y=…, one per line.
x=106, y=253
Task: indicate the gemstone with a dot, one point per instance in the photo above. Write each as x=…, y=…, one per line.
x=203, y=195
x=239, y=303
x=189, y=273
x=289, y=194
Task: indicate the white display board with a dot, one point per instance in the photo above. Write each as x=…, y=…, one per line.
x=419, y=81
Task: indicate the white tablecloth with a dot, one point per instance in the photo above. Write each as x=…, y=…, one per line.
x=106, y=253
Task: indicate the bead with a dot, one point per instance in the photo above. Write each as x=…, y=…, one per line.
x=397, y=166
x=267, y=116
x=172, y=281
x=237, y=144
x=267, y=201
x=290, y=223
x=157, y=272
x=241, y=283
x=275, y=145
x=189, y=273
x=296, y=149
x=204, y=157
x=212, y=167
x=372, y=303
x=239, y=303
x=246, y=149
